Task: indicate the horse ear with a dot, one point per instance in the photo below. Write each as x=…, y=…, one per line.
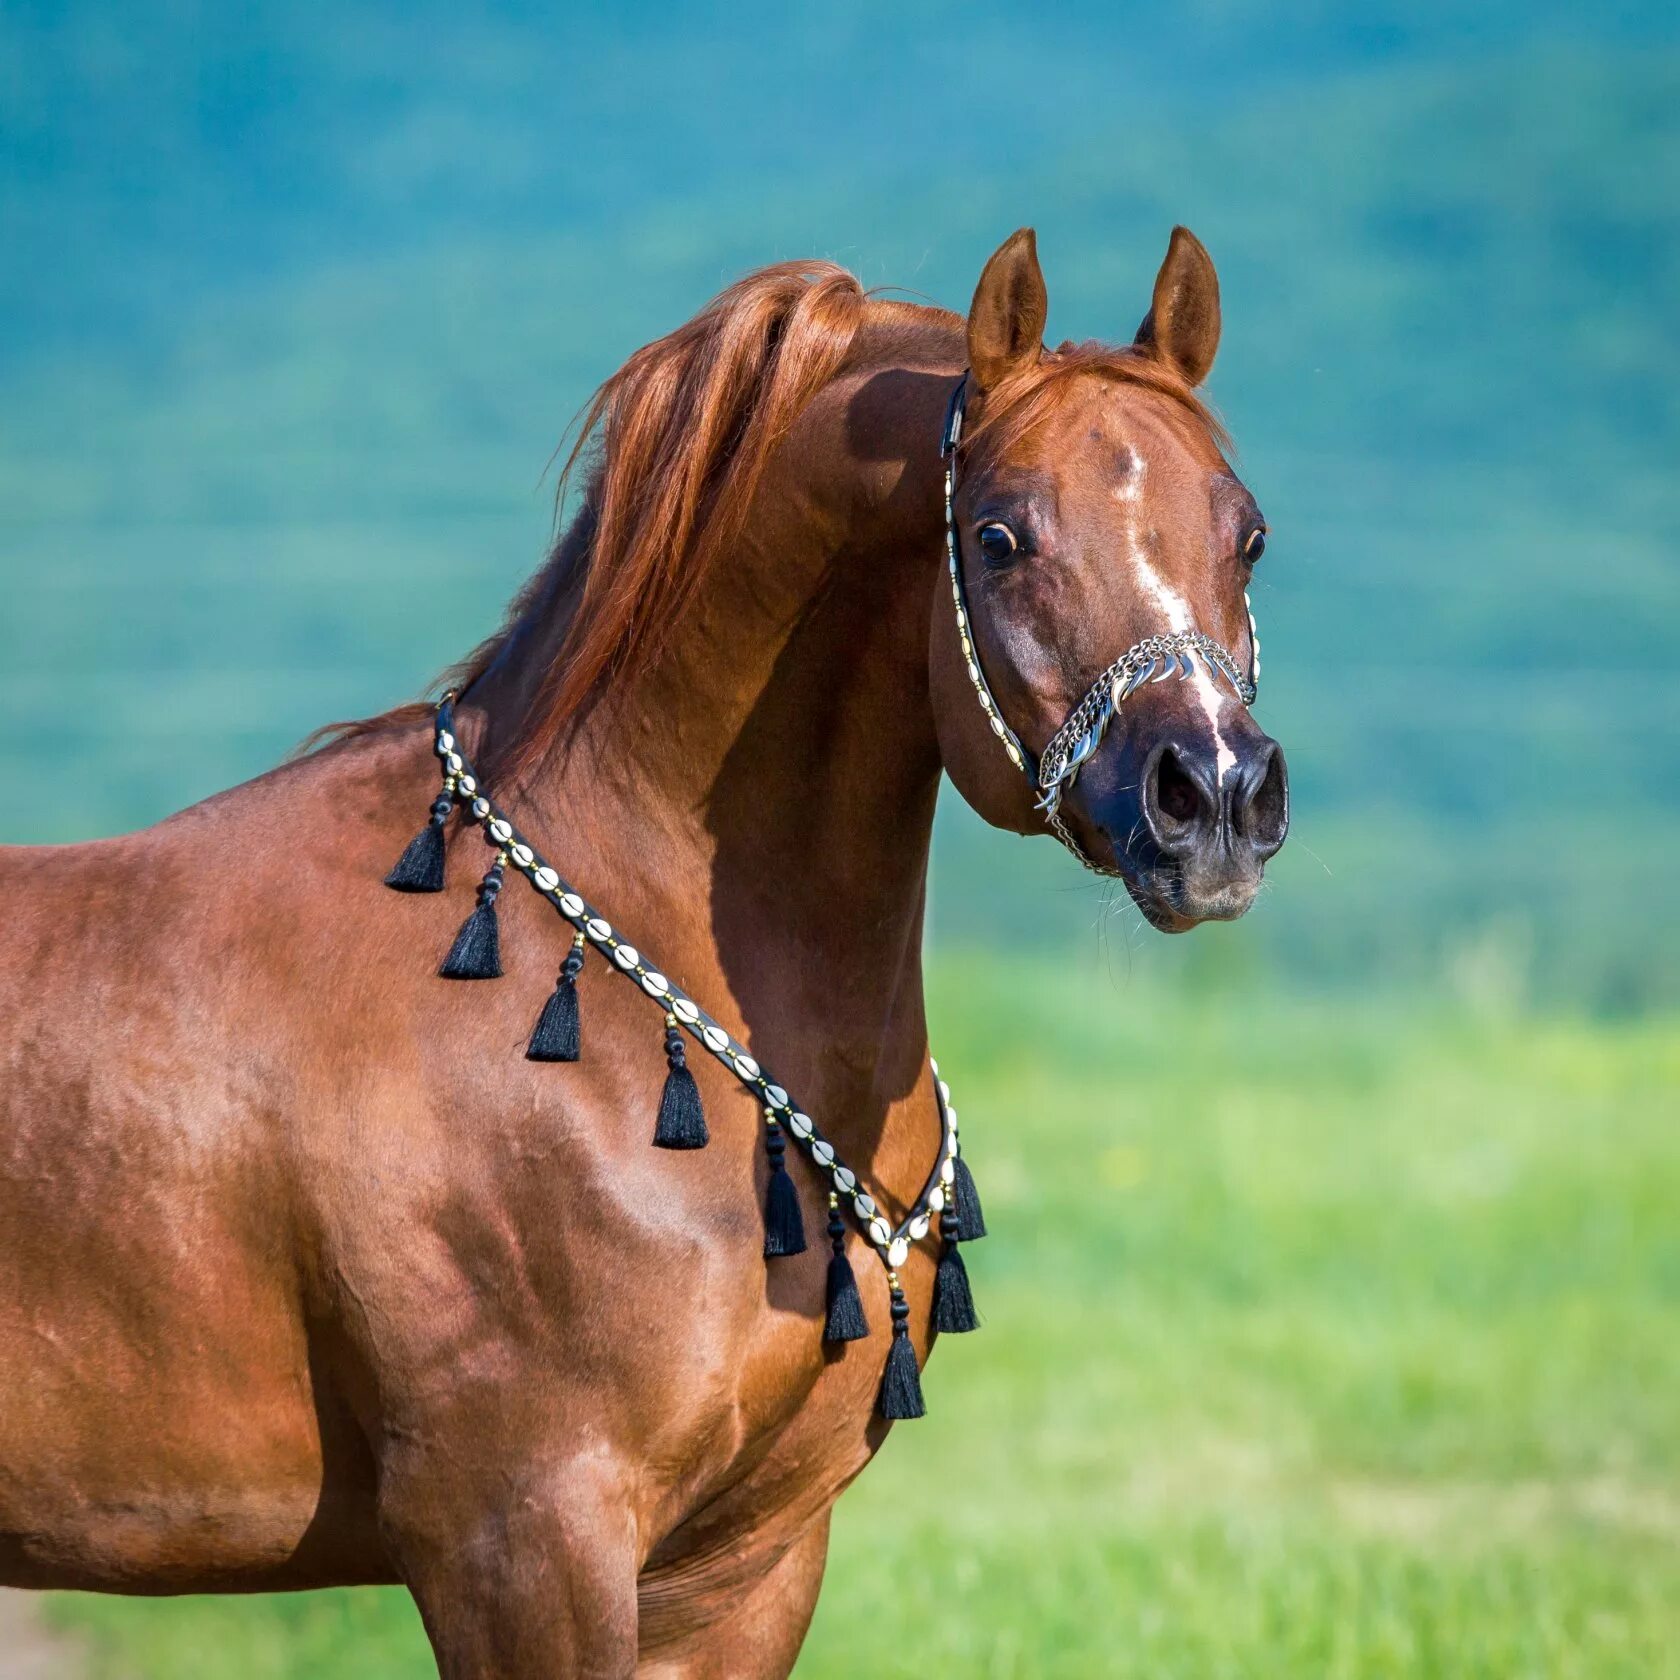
x=1182, y=326
x=1006, y=319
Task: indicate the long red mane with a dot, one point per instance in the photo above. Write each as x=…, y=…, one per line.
x=675, y=444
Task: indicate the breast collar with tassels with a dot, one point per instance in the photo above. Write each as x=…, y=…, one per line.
x=947, y=1196
x=1154, y=659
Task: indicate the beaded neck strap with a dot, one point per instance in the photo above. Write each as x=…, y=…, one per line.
x=948, y=1195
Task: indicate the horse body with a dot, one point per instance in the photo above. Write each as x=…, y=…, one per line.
x=299, y=1264
x=313, y=1279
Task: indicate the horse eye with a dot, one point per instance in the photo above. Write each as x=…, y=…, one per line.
x=1255, y=546
x=997, y=542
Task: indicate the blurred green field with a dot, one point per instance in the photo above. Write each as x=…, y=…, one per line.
x=1323, y=1338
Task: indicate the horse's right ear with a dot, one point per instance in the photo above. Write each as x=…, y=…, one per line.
x=1006, y=319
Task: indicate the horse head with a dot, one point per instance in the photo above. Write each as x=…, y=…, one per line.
x=1101, y=548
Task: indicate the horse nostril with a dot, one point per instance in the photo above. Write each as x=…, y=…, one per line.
x=1176, y=805
x=1262, y=815
x=1176, y=796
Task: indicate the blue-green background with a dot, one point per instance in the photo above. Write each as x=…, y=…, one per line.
x=1352, y=1352
x=297, y=300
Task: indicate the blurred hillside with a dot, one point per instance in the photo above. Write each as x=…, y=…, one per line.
x=297, y=301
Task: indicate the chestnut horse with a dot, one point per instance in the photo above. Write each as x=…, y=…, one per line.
x=312, y=1279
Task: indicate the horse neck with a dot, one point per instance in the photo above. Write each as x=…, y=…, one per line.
x=769, y=784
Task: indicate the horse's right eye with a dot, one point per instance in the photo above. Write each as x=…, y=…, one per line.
x=997, y=542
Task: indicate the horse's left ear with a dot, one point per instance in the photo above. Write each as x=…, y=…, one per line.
x=1182, y=326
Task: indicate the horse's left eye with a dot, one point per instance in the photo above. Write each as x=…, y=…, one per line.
x=1255, y=546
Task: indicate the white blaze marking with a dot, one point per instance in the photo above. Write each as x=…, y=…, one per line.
x=1177, y=613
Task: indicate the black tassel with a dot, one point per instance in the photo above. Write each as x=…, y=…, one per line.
x=477, y=951
x=953, y=1300
x=846, y=1322
x=420, y=868
x=682, y=1121
x=556, y=1036
x=784, y=1226
x=901, y=1382
x=971, y=1221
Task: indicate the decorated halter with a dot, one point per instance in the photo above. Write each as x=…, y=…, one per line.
x=947, y=1196
x=1153, y=660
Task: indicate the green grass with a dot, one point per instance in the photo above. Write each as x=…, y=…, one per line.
x=1322, y=1339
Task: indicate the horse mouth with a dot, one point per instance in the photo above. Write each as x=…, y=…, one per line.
x=1171, y=904
x=1157, y=907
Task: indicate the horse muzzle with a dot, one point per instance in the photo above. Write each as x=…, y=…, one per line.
x=1190, y=818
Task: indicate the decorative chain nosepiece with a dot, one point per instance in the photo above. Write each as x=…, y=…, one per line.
x=1153, y=660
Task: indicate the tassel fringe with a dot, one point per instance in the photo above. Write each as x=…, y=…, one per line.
x=971, y=1220
x=953, y=1299
x=845, y=1322
x=784, y=1225
x=682, y=1121
x=477, y=951
x=901, y=1382
x=557, y=1034
x=420, y=868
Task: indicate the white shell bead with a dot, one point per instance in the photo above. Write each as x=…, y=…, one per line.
x=685, y=1011
x=571, y=904
x=481, y=808
x=524, y=856
x=936, y=1198
x=468, y=786
x=546, y=879
x=445, y=740
x=801, y=1124
x=898, y=1252
x=846, y=1179
x=822, y=1153
x=453, y=760
x=948, y=1171
x=880, y=1232
x=654, y=984
x=598, y=929
x=626, y=956
x=501, y=830
x=864, y=1203
x=775, y=1096
x=919, y=1227
x=716, y=1038
x=944, y=1090
x=746, y=1065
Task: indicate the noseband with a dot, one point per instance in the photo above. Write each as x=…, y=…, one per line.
x=1154, y=659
